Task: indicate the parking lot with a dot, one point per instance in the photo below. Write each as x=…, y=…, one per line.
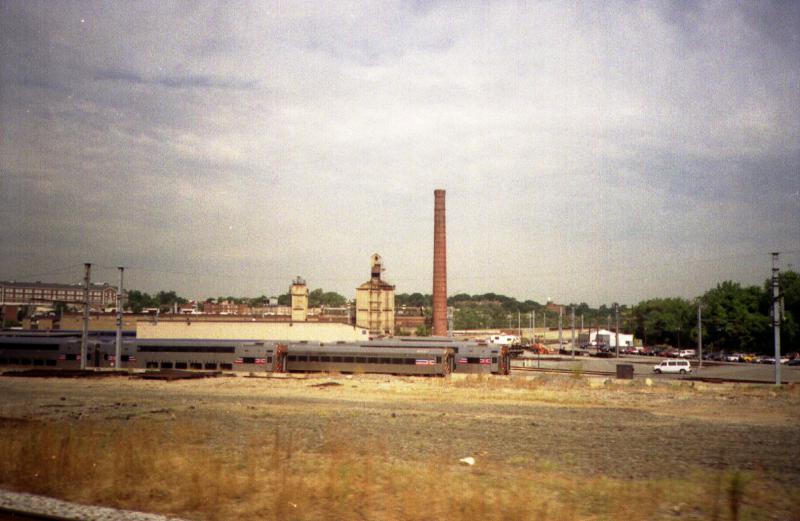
x=643, y=367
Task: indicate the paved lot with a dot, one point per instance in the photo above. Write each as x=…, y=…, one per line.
x=643, y=367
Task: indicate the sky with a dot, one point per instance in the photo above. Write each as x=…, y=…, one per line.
x=591, y=151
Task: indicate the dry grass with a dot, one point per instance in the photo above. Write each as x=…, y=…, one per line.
x=185, y=468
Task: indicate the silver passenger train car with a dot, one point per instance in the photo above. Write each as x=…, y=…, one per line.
x=209, y=355
x=469, y=357
x=364, y=358
x=206, y=355
x=62, y=352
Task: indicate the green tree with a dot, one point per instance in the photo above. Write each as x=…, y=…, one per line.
x=734, y=317
x=663, y=321
x=318, y=297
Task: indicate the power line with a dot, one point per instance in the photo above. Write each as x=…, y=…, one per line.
x=47, y=273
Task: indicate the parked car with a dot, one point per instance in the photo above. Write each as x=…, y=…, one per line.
x=795, y=361
x=687, y=353
x=673, y=366
x=766, y=359
x=733, y=357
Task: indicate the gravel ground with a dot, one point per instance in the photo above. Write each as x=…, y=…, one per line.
x=626, y=432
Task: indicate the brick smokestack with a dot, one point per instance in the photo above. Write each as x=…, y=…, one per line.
x=439, y=265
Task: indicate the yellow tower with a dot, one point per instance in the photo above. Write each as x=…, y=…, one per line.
x=375, y=302
x=299, y=294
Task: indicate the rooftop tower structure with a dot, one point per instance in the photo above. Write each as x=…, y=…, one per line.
x=375, y=302
x=299, y=294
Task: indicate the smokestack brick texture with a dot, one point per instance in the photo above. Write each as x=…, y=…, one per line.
x=439, y=265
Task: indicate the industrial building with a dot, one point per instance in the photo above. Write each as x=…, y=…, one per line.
x=375, y=302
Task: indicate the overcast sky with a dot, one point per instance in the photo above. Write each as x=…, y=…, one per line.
x=590, y=151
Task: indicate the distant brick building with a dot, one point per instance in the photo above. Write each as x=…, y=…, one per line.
x=14, y=293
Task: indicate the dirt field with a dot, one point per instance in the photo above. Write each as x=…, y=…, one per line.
x=545, y=447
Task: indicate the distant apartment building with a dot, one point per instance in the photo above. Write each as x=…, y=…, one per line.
x=14, y=293
x=226, y=308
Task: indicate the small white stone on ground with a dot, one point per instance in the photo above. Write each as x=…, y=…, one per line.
x=469, y=460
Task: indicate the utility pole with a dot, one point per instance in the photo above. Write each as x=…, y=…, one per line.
x=572, y=324
x=118, y=350
x=616, y=328
x=776, y=317
x=699, y=335
x=519, y=326
x=544, y=325
x=87, y=268
x=533, y=325
x=561, y=328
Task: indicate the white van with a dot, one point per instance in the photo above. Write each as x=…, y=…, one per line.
x=673, y=366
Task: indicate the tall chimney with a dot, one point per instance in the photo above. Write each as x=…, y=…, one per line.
x=439, y=266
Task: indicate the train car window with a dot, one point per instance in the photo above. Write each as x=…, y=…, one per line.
x=361, y=359
x=249, y=360
x=410, y=361
x=210, y=365
x=38, y=361
x=494, y=359
x=105, y=356
x=152, y=365
x=292, y=358
x=336, y=359
x=349, y=359
x=25, y=361
x=13, y=361
x=196, y=365
x=373, y=360
x=438, y=359
x=472, y=360
x=226, y=367
x=269, y=359
x=181, y=365
x=71, y=356
x=50, y=363
x=324, y=359
x=126, y=358
x=166, y=365
x=313, y=359
x=88, y=356
x=3, y=361
x=302, y=358
x=455, y=349
x=397, y=361
x=37, y=347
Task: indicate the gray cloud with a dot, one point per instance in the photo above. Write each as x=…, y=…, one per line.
x=590, y=153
